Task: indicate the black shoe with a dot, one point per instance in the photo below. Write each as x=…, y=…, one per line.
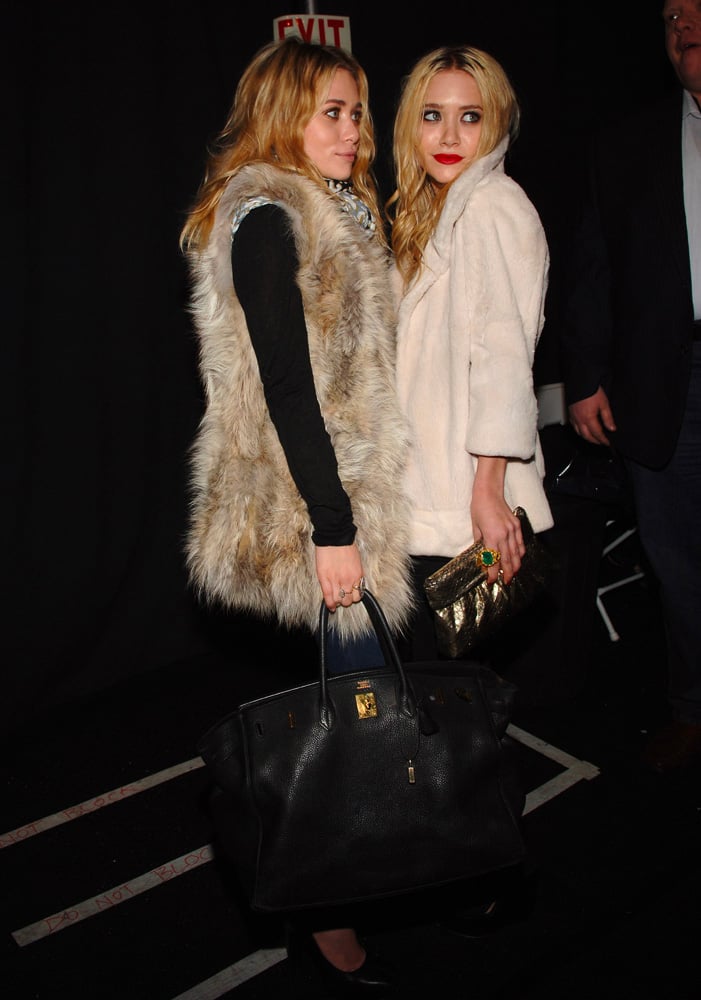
x=373, y=978
x=474, y=921
x=479, y=921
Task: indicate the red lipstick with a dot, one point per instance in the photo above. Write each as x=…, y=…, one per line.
x=447, y=158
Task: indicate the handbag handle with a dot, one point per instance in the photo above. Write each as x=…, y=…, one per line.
x=406, y=701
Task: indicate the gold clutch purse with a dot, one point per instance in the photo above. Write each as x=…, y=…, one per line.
x=467, y=609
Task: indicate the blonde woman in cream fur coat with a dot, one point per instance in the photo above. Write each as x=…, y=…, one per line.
x=471, y=276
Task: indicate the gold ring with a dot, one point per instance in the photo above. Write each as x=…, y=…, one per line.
x=360, y=585
x=489, y=557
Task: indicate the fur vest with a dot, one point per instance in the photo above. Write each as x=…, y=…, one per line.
x=249, y=544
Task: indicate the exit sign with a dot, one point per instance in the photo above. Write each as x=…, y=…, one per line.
x=323, y=29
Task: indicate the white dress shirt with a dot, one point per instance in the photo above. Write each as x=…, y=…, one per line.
x=691, y=166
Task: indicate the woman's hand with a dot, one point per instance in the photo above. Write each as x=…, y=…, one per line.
x=493, y=521
x=340, y=573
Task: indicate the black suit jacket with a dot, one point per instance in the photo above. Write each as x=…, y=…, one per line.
x=628, y=313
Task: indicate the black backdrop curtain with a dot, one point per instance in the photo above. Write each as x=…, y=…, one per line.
x=109, y=109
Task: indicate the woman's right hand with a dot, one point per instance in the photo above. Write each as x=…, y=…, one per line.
x=339, y=570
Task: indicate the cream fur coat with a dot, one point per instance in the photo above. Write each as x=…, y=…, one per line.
x=249, y=545
x=468, y=329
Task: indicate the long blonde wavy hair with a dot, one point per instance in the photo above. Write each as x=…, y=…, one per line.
x=415, y=206
x=277, y=96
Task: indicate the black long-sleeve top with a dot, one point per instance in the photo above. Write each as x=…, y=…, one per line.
x=264, y=264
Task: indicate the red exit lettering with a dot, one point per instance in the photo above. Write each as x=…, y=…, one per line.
x=323, y=30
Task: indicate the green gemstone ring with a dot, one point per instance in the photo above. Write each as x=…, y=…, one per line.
x=489, y=557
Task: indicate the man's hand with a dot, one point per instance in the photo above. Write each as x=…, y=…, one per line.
x=592, y=417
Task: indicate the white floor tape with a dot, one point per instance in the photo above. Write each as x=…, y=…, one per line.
x=235, y=975
x=99, y=802
x=110, y=898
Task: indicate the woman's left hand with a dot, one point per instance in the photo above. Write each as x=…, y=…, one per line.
x=496, y=525
x=493, y=521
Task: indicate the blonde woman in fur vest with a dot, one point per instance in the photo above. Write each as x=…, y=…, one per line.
x=297, y=462
x=471, y=276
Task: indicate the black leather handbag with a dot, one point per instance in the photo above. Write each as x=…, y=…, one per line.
x=366, y=785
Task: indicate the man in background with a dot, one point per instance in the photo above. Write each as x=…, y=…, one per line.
x=631, y=350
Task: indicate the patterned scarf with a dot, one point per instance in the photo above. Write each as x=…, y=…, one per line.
x=352, y=204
